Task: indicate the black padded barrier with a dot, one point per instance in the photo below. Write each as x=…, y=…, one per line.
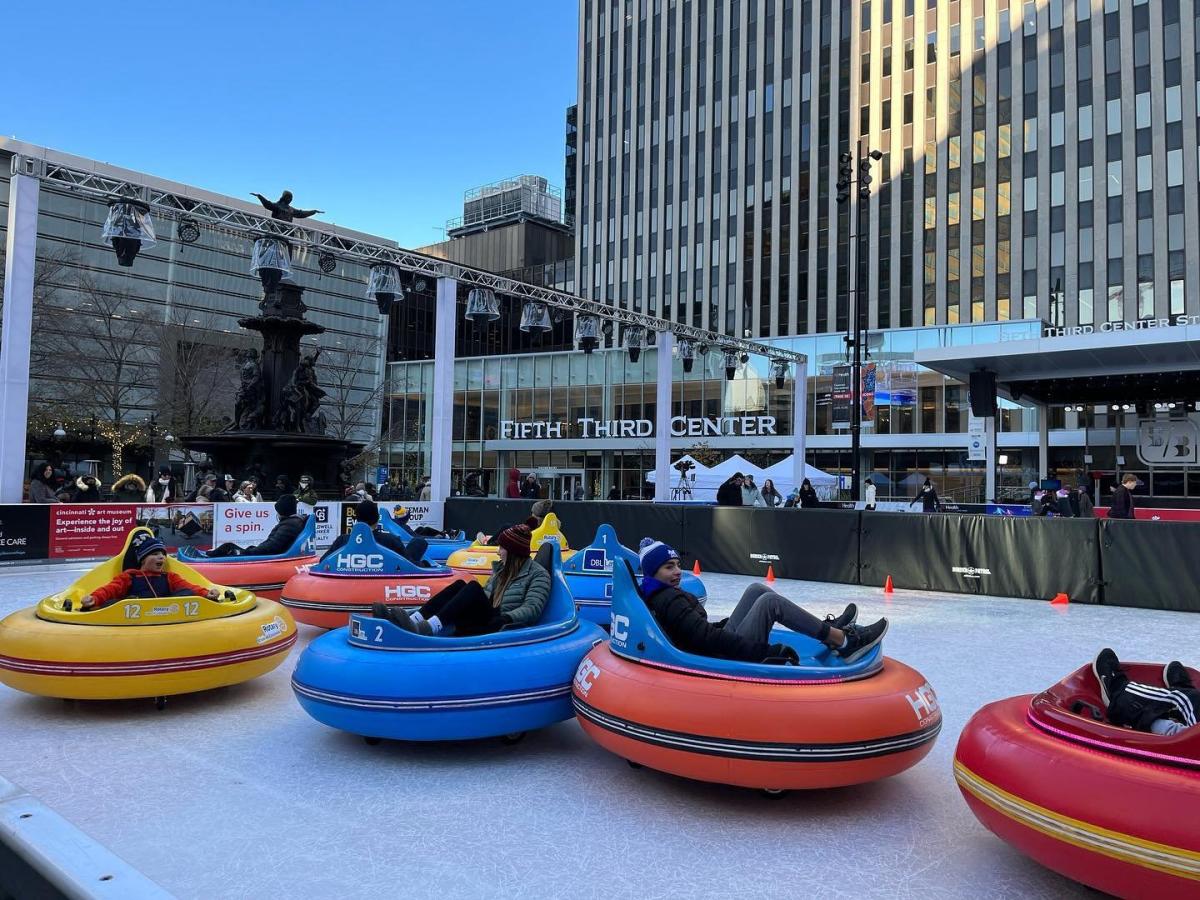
x=999, y=555
x=1155, y=565
x=1152, y=565
x=810, y=545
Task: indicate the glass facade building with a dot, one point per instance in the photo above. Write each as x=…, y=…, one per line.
x=1039, y=160
x=116, y=346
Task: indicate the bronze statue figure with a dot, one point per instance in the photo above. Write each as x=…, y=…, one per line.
x=300, y=405
x=250, y=404
x=282, y=208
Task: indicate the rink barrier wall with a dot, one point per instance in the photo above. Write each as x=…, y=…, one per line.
x=1005, y=556
x=44, y=856
x=1151, y=565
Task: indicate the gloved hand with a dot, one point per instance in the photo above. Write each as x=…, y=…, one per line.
x=782, y=655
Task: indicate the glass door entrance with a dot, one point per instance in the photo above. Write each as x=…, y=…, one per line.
x=563, y=484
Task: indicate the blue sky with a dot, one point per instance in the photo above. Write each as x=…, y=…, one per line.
x=380, y=113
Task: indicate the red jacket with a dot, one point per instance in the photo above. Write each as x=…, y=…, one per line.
x=119, y=588
x=513, y=489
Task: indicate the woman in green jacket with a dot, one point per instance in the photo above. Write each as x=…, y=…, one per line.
x=514, y=596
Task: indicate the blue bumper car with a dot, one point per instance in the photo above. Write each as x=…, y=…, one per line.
x=589, y=575
x=438, y=550
x=380, y=681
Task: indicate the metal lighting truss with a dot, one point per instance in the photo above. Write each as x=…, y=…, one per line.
x=172, y=205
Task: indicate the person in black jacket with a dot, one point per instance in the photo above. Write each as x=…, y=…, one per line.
x=368, y=511
x=281, y=538
x=808, y=495
x=745, y=634
x=1122, y=498
x=730, y=493
x=928, y=497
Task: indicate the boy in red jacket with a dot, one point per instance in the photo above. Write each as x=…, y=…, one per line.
x=150, y=580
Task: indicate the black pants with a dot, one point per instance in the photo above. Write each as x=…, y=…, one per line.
x=465, y=606
x=227, y=549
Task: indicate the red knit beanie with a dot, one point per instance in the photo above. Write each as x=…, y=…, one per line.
x=516, y=539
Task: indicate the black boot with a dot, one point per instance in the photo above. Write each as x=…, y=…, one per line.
x=1176, y=677
x=1107, y=669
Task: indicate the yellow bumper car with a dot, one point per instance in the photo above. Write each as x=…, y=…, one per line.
x=477, y=560
x=140, y=647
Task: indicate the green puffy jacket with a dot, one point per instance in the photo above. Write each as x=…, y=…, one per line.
x=526, y=595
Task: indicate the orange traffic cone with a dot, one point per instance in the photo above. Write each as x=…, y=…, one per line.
x=1060, y=599
x=770, y=574
x=887, y=586
x=696, y=568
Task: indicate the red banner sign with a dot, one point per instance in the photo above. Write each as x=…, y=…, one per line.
x=82, y=530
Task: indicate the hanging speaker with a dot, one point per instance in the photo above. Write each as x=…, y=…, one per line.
x=983, y=394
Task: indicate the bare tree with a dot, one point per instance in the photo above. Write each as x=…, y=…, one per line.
x=353, y=396
x=199, y=379
x=100, y=357
x=52, y=271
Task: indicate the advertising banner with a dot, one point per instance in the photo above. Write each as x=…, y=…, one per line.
x=976, y=439
x=421, y=514
x=326, y=513
x=244, y=524
x=179, y=524
x=842, y=395
x=24, y=531
x=896, y=384
x=867, y=393
x=83, y=530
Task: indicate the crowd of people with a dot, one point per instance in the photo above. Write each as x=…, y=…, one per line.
x=1076, y=503
x=740, y=490
x=49, y=484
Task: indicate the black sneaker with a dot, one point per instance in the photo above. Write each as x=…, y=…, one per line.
x=861, y=638
x=848, y=617
x=1176, y=677
x=1107, y=669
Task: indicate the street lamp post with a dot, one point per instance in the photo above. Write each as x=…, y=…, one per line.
x=851, y=182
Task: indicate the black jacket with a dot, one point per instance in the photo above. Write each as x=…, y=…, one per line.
x=729, y=494
x=808, y=498
x=681, y=616
x=1122, y=503
x=928, y=498
x=281, y=538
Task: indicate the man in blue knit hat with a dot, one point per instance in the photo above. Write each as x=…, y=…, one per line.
x=745, y=635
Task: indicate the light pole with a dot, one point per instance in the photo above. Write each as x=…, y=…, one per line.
x=848, y=180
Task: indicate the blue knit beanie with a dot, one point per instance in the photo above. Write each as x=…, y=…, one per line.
x=654, y=555
x=145, y=544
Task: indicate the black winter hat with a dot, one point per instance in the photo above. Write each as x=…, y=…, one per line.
x=286, y=505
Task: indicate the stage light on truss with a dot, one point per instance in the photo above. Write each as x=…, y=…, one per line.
x=384, y=286
x=687, y=353
x=779, y=371
x=129, y=227
x=535, y=317
x=482, y=306
x=187, y=230
x=635, y=338
x=587, y=332
x=271, y=261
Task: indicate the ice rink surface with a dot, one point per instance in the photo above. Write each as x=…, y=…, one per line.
x=238, y=793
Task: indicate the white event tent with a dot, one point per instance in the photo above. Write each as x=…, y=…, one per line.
x=706, y=480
